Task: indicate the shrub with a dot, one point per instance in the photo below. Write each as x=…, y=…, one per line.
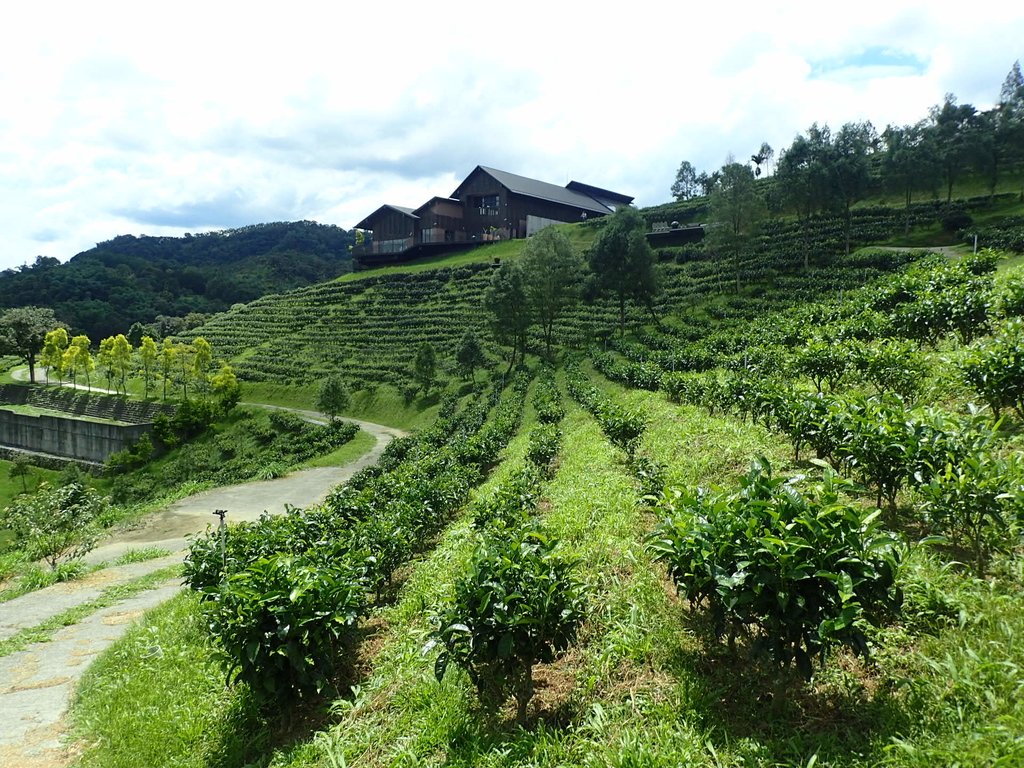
x=281, y=623
x=511, y=504
x=973, y=504
x=623, y=426
x=544, y=441
x=286, y=422
x=825, y=363
x=519, y=605
x=56, y=524
x=131, y=457
x=878, y=443
x=995, y=368
x=798, y=571
x=891, y=366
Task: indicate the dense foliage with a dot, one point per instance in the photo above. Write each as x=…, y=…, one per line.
x=518, y=605
x=793, y=570
x=250, y=445
x=104, y=290
x=520, y=602
x=56, y=523
x=357, y=540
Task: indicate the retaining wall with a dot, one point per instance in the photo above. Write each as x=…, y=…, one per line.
x=74, y=438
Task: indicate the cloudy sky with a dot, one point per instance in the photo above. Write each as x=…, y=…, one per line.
x=146, y=118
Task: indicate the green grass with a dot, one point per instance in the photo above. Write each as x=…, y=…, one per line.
x=13, y=486
x=172, y=708
x=43, y=631
x=141, y=555
x=157, y=697
x=385, y=405
x=645, y=686
x=581, y=237
x=284, y=395
x=352, y=450
x=484, y=253
x=31, y=410
x=381, y=405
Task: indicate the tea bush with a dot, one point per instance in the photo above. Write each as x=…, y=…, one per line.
x=797, y=571
x=520, y=604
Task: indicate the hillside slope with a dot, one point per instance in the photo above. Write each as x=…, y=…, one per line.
x=367, y=325
x=103, y=291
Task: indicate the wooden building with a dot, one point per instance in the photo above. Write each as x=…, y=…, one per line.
x=488, y=205
x=393, y=228
x=440, y=221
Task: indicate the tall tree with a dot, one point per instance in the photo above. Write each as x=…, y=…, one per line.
x=333, y=396
x=706, y=182
x=148, y=354
x=168, y=359
x=763, y=156
x=956, y=137
x=737, y=209
x=105, y=359
x=1009, y=132
x=623, y=263
x=52, y=356
x=506, y=303
x=202, y=361
x=1011, y=95
x=909, y=162
x=552, y=277
x=685, y=186
x=803, y=172
x=122, y=354
x=225, y=388
x=470, y=355
x=185, y=356
x=82, y=359
x=23, y=332
x=848, y=168
x=425, y=366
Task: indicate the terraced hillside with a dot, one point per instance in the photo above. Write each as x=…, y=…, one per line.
x=368, y=327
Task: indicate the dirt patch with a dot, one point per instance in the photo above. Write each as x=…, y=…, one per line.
x=52, y=682
x=33, y=753
x=121, y=618
x=88, y=580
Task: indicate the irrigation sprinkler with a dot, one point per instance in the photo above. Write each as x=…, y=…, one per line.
x=223, y=528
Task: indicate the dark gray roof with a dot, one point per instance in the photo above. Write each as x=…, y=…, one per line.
x=603, y=195
x=434, y=199
x=521, y=185
x=365, y=223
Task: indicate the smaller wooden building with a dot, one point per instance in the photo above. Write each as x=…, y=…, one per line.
x=393, y=228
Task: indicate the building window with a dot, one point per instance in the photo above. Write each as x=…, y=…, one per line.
x=486, y=205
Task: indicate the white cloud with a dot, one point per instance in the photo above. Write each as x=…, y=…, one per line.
x=131, y=118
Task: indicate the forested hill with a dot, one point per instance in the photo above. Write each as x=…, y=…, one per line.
x=129, y=279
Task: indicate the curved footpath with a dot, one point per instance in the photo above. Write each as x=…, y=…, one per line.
x=36, y=683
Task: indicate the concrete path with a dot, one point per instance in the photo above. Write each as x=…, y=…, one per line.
x=37, y=683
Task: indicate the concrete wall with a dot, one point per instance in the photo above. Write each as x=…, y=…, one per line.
x=85, y=440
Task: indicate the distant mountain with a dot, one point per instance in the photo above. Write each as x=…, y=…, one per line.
x=103, y=291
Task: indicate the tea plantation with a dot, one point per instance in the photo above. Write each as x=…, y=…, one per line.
x=780, y=524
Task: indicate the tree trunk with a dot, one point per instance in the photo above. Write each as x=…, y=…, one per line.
x=906, y=220
x=524, y=694
x=848, y=221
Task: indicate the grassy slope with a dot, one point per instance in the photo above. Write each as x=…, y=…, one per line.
x=644, y=687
